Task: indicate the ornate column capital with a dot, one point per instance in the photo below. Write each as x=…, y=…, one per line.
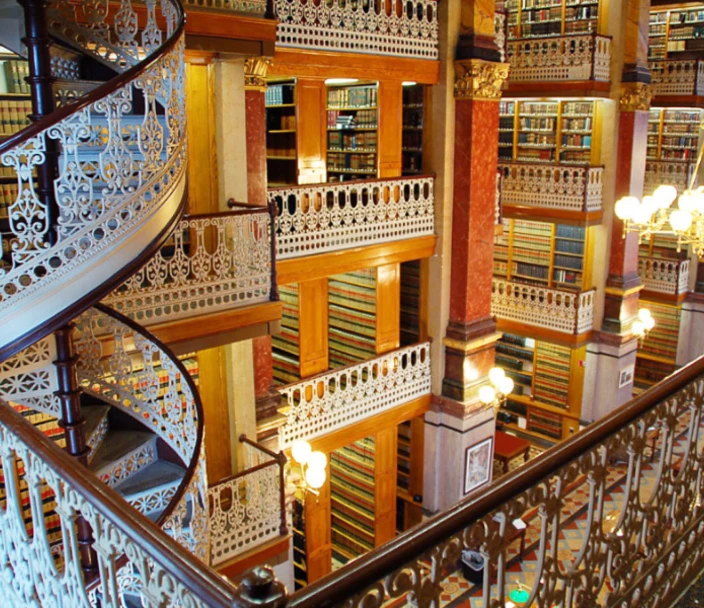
x=255, y=69
x=635, y=96
x=479, y=79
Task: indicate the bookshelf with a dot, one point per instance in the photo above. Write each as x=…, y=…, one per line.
x=412, y=139
x=351, y=317
x=657, y=352
x=286, y=345
x=300, y=562
x=352, y=499
x=676, y=33
x=550, y=132
x=352, y=122
x=544, y=254
x=410, y=302
x=281, y=154
x=552, y=18
x=673, y=134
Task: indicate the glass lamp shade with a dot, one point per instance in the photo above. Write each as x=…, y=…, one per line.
x=506, y=385
x=626, y=207
x=680, y=220
x=496, y=375
x=644, y=314
x=301, y=451
x=315, y=478
x=317, y=460
x=487, y=394
x=664, y=196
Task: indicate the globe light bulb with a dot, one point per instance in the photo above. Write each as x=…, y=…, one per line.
x=644, y=314
x=649, y=324
x=487, y=394
x=638, y=328
x=642, y=215
x=680, y=220
x=650, y=203
x=317, y=460
x=301, y=450
x=687, y=201
x=699, y=201
x=665, y=196
x=496, y=375
x=315, y=478
x=626, y=207
x=506, y=386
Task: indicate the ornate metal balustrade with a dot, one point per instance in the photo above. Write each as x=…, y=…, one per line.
x=671, y=77
x=664, y=276
x=249, y=508
x=329, y=217
x=388, y=27
x=500, y=26
x=562, y=311
x=329, y=401
x=212, y=262
x=248, y=7
x=672, y=173
x=498, y=205
x=552, y=187
x=579, y=57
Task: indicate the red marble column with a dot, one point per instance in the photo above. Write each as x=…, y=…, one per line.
x=255, y=130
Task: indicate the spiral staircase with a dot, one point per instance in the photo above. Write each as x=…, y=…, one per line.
x=101, y=183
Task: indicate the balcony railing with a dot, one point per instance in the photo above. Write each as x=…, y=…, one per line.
x=665, y=172
x=670, y=77
x=388, y=27
x=212, y=263
x=249, y=508
x=664, y=276
x=335, y=399
x=562, y=311
x=579, y=57
x=248, y=7
x=334, y=216
x=552, y=187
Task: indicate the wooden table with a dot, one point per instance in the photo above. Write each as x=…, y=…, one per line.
x=507, y=447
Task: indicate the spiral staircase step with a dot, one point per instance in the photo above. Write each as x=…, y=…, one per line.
x=123, y=453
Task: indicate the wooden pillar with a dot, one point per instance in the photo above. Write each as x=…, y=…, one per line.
x=255, y=69
x=390, y=132
x=318, y=532
x=385, y=473
x=311, y=135
x=388, y=304
x=313, y=326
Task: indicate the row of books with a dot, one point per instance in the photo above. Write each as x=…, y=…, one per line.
x=285, y=152
x=13, y=75
x=365, y=163
x=534, y=228
x=536, y=156
x=8, y=196
x=570, y=232
x=686, y=33
x=278, y=122
x=534, y=124
x=538, y=107
x=365, y=140
x=14, y=115
x=507, y=107
x=576, y=124
x=581, y=13
x=364, y=119
x=566, y=277
x=279, y=94
x=680, y=142
x=530, y=271
x=544, y=423
x=403, y=456
x=686, y=16
x=353, y=97
x=410, y=302
x=569, y=246
x=539, y=15
x=568, y=261
x=537, y=4
x=577, y=140
x=689, y=154
x=286, y=344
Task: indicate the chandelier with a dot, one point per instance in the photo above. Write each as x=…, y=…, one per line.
x=655, y=213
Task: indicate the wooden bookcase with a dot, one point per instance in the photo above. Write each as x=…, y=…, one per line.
x=352, y=132
x=281, y=144
x=285, y=346
x=676, y=33
x=539, y=253
x=550, y=132
x=657, y=352
x=545, y=18
x=409, y=475
x=673, y=134
x=412, y=143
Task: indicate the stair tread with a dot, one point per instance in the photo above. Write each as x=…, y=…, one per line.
x=118, y=444
x=157, y=474
x=94, y=415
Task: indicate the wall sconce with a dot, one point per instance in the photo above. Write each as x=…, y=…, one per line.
x=313, y=466
x=495, y=394
x=643, y=324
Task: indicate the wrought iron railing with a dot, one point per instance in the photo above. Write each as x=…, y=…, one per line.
x=677, y=77
x=249, y=508
x=562, y=311
x=552, y=187
x=663, y=275
x=388, y=27
x=213, y=262
x=332, y=400
x=329, y=217
x=671, y=173
x=577, y=57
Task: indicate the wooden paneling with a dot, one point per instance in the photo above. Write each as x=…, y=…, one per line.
x=311, y=127
x=414, y=512
x=423, y=305
x=385, y=485
x=390, y=128
x=388, y=302
x=212, y=386
x=313, y=323
x=318, y=540
x=322, y=265
x=202, y=164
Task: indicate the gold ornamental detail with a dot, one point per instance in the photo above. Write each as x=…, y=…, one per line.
x=635, y=96
x=479, y=79
x=255, y=70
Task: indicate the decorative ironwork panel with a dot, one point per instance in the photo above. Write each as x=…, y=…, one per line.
x=677, y=174
x=664, y=276
x=330, y=217
x=500, y=33
x=670, y=77
x=330, y=401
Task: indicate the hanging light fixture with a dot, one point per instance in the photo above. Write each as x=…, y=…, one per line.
x=495, y=394
x=313, y=466
x=643, y=324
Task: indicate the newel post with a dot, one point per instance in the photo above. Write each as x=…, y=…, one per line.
x=260, y=588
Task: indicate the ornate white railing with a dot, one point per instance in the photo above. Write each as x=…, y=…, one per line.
x=329, y=217
x=213, y=262
x=498, y=204
x=562, y=311
x=672, y=77
x=319, y=405
x=500, y=33
x=580, y=57
x=552, y=187
x=665, y=172
x=388, y=27
x=664, y=276
x=249, y=7
x=121, y=169
x=123, y=367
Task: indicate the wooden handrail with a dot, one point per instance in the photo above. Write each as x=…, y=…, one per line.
x=390, y=557
x=224, y=214
x=354, y=182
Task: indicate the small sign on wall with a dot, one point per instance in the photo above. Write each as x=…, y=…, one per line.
x=478, y=461
x=626, y=376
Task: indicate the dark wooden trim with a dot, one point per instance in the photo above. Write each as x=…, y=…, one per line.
x=254, y=469
x=367, y=570
x=248, y=211
x=354, y=182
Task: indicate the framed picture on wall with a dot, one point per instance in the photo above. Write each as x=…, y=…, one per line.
x=477, y=464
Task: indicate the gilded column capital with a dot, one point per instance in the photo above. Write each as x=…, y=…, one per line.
x=255, y=69
x=479, y=79
x=635, y=96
